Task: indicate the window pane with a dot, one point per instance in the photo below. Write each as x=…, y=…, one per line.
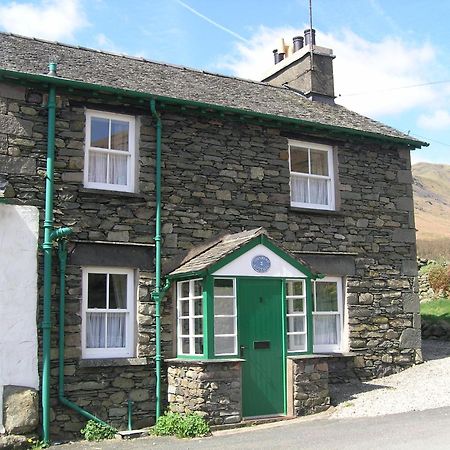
x=224, y=306
x=326, y=296
x=296, y=324
x=99, y=132
x=97, y=167
x=198, y=288
x=185, y=289
x=185, y=345
x=224, y=325
x=294, y=288
x=119, y=135
x=198, y=325
x=295, y=305
x=116, y=336
x=299, y=160
x=184, y=308
x=325, y=329
x=299, y=189
x=198, y=307
x=319, y=162
x=95, y=330
x=296, y=342
x=223, y=287
x=118, y=169
x=97, y=290
x=117, y=291
x=198, y=342
x=224, y=345
x=184, y=327
x=318, y=191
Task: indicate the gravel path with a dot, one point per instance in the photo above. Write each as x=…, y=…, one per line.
x=421, y=387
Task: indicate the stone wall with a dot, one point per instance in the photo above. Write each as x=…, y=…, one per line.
x=219, y=174
x=310, y=386
x=212, y=389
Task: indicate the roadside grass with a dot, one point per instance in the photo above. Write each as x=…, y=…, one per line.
x=436, y=310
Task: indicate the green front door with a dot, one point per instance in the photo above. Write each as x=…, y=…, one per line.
x=260, y=338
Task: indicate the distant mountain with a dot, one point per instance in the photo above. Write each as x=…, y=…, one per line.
x=432, y=200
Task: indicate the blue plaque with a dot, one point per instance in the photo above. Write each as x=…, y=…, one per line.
x=260, y=263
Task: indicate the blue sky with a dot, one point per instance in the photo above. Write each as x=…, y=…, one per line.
x=392, y=57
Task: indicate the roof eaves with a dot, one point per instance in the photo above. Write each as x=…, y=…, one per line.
x=82, y=85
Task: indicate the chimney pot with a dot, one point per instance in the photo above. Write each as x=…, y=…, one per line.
x=298, y=43
x=275, y=56
x=310, y=36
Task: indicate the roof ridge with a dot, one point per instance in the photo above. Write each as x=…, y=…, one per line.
x=142, y=59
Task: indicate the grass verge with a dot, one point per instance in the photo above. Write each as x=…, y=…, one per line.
x=436, y=310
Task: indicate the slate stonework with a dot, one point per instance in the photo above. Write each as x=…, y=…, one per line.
x=211, y=389
x=219, y=174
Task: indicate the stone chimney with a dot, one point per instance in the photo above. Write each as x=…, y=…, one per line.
x=306, y=68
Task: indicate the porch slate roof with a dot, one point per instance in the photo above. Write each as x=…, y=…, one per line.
x=204, y=256
x=27, y=55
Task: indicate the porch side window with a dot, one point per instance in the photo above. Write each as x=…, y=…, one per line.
x=190, y=317
x=108, y=313
x=110, y=151
x=225, y=334
x=327, y=314
x=312, y=177
x=296, y=315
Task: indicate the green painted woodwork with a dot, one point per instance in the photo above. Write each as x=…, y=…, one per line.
x=208, y=318
x=260, y=320
x=284, y=342
x=309, y=317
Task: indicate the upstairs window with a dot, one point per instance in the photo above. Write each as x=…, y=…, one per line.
x=110, y=151
x=312, y=177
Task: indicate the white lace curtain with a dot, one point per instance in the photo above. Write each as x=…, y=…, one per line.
x=108, y=168
x=106, y=327
x=325, y=329
x=305, y=189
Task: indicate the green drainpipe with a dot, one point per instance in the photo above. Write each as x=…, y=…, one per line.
x=62, y=254
x=156, y=294
x=47, y=249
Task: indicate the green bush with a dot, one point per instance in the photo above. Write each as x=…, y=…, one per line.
x=94, y=431
x=439, y=278
x=175, y=424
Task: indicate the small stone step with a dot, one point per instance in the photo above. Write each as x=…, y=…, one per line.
x=131, y=434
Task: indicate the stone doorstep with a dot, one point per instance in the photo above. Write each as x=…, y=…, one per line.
x=131, y=434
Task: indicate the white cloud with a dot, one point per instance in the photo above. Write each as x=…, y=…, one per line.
x=49, y=19
x=370, y=76
x=438, y=120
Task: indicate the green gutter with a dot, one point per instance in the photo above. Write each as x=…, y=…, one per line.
x=156, y=294
x=62, y=254
x=68, y=83
x=47, y=248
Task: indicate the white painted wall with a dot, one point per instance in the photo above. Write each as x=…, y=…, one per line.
x=19, y=227
x=242, y=266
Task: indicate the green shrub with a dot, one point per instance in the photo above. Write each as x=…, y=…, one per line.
x=175, y=424
x=35, y=444
x=439, y=278
x=94, y=431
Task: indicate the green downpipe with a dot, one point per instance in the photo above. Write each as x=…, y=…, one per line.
x=62, y=254
x=47, y=249
x=156, y=294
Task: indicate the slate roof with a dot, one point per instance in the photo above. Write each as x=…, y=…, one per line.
x=204, y=256
x=27, y=55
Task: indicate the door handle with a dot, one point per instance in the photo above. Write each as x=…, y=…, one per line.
x=241, y=351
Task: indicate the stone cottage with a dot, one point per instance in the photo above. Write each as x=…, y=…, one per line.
x=207, y=243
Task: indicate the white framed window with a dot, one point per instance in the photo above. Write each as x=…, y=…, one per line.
x=108, y=324
x=190, y=317
x=327, y=314
x=296, y=315
x=312, y=175
x=110, y=151
x=225, y=317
